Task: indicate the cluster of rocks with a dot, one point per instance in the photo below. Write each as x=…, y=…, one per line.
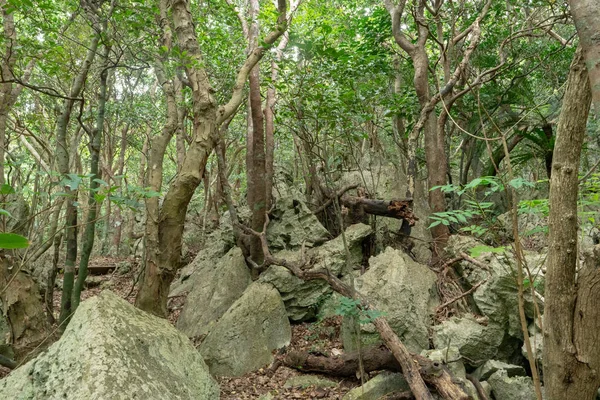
x=239, y=322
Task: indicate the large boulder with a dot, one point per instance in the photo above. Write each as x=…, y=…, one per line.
x=302, y=299
x=378, y=387
x=223, y=282
x=475, y=341
x=218, y=243
x=111, y=350
x=404, y=291
x=245, y=336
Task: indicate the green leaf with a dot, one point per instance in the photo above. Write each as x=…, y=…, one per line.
x=5, y=213
x=478, y=250
x=6, y=189
x=13, y=241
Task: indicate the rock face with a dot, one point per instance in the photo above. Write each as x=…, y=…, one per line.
x=475, y=341
x=302, y=299
x=497, y=297
x=111, y=350
x=293, y=224
x=222, y=283
x=389, y=182
x=219, y=243
x=404, y=292
x=515, y=388
x=243, y=339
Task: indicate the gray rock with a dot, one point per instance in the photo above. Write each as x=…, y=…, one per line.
x=293, y=224
x=222, y=283
x=476, y=342
x=404, y=292
x=450, y=357
x=305, y=381
x=491, y=366
x=111, y=350
x=381, y=385
x=303, y=299
x=497, y=297
x=536, y=340
x=218, y=243
x=388, y=181
x=243, y=339
x=515, y=388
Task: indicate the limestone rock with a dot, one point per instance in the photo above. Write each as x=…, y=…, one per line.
x=381, y=385
x=293, y=224
x=474, y=341
x=219, y=243
x=497, y=297
x=491, y=366
x=222, y=283
x=243, y=339
x=449, y=356
x=404, y=292
x=515, y=388
x=302, y=299
x=388, y=181
x=111, y=350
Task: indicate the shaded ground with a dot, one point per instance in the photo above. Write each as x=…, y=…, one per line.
x=319, y=337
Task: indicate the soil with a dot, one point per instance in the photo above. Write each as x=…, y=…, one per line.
x=321, y=337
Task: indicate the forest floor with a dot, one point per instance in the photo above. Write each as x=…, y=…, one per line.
x=318, y=337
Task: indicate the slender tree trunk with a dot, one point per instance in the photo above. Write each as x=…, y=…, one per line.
x=586, y=14
x=571, y=324
x=94, y=147
x=62, y=156
x=119, y=181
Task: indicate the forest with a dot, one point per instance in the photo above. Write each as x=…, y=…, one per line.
x=300, y=199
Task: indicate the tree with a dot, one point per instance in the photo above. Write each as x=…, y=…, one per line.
x=163, y=261
x=571, y=352
x=587, y=20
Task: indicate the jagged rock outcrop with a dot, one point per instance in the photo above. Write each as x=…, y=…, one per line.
x=389, y=182
x=404, y=291
x=511, y=388
x=111, y=350
x=245, y=336
x=222, y=282
x=302, y=299
x=497, y=297
x=293, y=225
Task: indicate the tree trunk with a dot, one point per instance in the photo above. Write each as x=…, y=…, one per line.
x=94, y=148
x=163, y=258
x=256, y=170
x=62, y=156
x=571, y=359
x=586, y=14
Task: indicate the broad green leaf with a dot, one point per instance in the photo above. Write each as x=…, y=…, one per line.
x=13, y=241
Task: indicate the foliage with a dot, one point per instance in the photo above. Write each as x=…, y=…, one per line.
x=352, y=308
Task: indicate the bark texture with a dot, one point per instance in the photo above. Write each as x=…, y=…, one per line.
x=586, y=14
x=571, y=361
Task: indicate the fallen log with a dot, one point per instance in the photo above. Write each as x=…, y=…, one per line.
x=398, y=209
x=375, y=359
